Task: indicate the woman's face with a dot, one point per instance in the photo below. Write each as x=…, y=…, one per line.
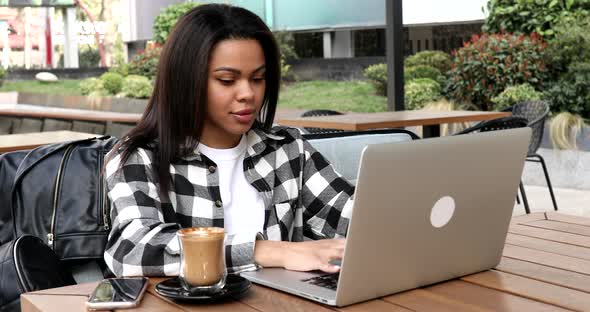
x=235, y=90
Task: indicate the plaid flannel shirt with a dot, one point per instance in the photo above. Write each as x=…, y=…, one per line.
x=302, y=193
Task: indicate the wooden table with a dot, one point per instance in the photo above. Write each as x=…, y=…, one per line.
x=430, y=120
x=546, y=267
x=15, y=142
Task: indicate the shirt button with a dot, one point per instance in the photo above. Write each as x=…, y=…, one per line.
x=218, y=203
x=212, y=169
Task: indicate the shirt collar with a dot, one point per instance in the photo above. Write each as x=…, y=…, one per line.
x=256, y=139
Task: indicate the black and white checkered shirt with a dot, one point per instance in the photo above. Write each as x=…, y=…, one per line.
x=303, y=196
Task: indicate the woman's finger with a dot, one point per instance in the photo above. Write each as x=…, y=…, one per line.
x=329, y=268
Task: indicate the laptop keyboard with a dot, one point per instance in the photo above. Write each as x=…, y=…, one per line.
x=329, y=281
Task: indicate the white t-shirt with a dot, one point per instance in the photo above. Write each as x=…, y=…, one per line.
x=243, y=205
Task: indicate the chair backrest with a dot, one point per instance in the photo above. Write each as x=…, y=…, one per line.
x=497, y=124
x=535, y=112
x=320, y=112
x=343, y=149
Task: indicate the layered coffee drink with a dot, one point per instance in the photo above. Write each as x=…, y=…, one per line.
x=202, y=266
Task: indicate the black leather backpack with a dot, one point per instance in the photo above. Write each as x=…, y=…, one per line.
x=55, y=193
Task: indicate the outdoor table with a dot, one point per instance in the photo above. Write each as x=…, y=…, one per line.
x=430, y=120
x=15, y=142
x=545, y=267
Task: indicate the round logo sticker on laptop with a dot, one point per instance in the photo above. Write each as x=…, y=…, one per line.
x=442, y=211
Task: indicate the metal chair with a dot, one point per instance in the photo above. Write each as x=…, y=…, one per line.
x=343, y=149
x=536, y=113
x=501, y=124
x=320, y=112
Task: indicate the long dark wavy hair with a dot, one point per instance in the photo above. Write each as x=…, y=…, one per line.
x=176, y=111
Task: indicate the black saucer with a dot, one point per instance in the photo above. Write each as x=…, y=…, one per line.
x=235, y=286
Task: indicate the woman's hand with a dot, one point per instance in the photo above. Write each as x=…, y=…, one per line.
x=300, y=256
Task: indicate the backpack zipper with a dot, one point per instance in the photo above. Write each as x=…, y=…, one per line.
x=103, y=218
x=19, y=275
x=56, y=189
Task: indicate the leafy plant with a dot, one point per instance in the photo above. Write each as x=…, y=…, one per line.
x=166, y=20
x=90, y=85
x=572, y=92
x=112, y=82
x=145, y=63
x=421, y=91
x=487, y=64
x=515, y=94
x=121, y=69
x=437, y=59
x=571, y=43
x=137, y=87
x=527, y=16
x=423, y=71
x=89, y=57
x=377, y=74
x=2, y=73
x=286, y=42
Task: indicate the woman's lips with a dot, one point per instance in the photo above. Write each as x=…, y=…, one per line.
x=244, y=116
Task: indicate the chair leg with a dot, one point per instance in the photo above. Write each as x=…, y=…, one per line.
x=517, y=199
x=524, y=199
x=547, y=179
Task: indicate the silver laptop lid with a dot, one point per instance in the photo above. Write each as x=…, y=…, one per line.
x=392, y=244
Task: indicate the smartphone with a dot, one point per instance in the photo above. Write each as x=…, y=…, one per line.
x=117, y=293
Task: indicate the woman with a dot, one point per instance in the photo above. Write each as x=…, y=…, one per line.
x=204, y=154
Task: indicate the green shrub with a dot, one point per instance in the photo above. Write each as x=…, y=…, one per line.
x=166, y=20
x=90, y=85
x=112, y=82
x=572, y=92
x=421, y=91
x=377, y=74
x=529, y=16
x=145, y=63
x=437, y=59
x=137, y=87
x=487, y=64
x=121, y=69
x=89, y=57
x=286, y=43
x=571, y=44
x=515, y=94
x=423, y=71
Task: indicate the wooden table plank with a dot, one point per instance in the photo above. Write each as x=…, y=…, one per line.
x=23, y=141
x=74, y=290
x=265, y=299
x=544, y=245
x=523, y=219
x=399, y=119
x=561, y=217
x=529, y=288
x=547, y=258
x=424, y=300
x=562, y=227
x=544, y=273
x=556, y=236
x=34, y=111
x=374, y=305
x=52, y=303
x=487, y=298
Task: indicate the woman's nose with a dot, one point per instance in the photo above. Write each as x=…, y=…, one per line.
x=245, y=91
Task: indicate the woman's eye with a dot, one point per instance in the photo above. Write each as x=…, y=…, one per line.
x=226, y=82
x=258, y=79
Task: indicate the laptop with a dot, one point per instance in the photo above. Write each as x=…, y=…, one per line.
x=425, y=211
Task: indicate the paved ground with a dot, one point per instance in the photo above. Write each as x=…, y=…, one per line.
x=570, y=201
